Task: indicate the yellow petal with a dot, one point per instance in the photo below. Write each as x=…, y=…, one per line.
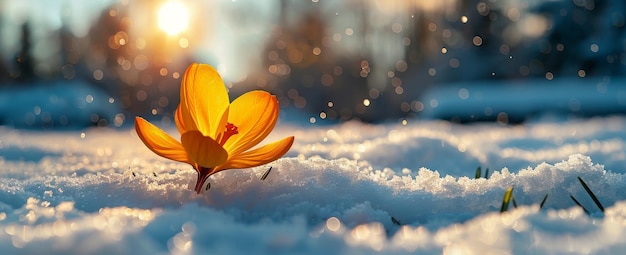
x=203, y=99
x=259, y=156
x=178, y=119
x=160, y=142
x=222, y=124
x=254, y=113
x=183, y=117
x=203, y=150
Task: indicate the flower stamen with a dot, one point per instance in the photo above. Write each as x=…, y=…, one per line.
x=231, y=130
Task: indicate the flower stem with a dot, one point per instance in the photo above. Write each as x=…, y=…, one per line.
x=203, y=175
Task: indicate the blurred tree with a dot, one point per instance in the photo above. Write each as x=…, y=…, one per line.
x=308, y=70
x=24, y=60
x=142, y=65
x=4, y=71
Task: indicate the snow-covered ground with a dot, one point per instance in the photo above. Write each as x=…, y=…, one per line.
x=349, y=188
x=100, y=191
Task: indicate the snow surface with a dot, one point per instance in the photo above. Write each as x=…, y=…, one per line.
x=100, y=191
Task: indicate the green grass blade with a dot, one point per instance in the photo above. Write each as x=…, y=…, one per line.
x=514, y=202
x=478, y=173
x=578, y=203
x=487, y=173
x=395, y=221
x=593, y=196
x=264, y=176
x=508, y=194
x=543, y=201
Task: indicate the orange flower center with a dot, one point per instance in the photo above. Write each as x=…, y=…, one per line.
x=231, y=130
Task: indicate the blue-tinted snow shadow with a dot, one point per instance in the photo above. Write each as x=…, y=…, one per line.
x=519, y=100
x=30, y=154
x=56, y=104
x=424, y=152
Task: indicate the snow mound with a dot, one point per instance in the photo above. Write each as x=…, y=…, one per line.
x=100, y=191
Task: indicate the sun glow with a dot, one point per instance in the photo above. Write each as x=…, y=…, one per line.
x=173, y=17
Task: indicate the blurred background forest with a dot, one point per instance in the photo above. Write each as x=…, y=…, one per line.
x=67, y=63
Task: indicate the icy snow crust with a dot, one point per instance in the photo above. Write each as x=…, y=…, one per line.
x=100, y=191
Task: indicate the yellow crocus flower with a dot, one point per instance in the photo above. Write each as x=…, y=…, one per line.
x=215, y=134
